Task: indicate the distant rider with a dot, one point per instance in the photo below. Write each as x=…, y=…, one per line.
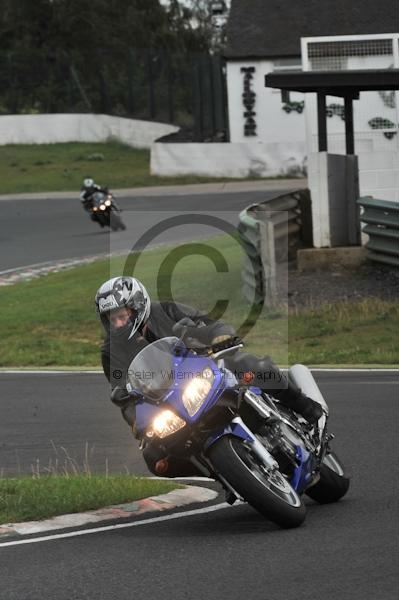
x=87, y=191
x=131, y=322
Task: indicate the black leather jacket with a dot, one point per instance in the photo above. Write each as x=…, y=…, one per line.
x=118, y=352
x=86, y=195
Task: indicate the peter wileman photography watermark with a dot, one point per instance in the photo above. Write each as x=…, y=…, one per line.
x=172, y=375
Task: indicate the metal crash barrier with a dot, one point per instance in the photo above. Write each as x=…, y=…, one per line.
x=381, y=219
x=270, y=232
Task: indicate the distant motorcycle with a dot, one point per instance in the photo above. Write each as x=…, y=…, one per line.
x=193, y=407
x=106, y=211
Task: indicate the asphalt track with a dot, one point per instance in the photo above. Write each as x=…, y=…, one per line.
x=346, y=551
x=40, y=230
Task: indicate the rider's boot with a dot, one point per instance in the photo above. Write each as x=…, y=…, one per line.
x=308, y=409
x=293, y=398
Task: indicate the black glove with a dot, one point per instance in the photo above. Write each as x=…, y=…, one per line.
x=181, y=326
x=194, y=344
x=187, y=330
x=120, y=396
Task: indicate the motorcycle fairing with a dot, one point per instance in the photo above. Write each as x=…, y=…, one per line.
x=145, y=413
x=186, y=366
x=303, y=472
x=238, y=429
x=234, y=428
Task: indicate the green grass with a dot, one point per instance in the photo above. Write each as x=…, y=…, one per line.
x=51, y=321
x=36, y=498
x=358, y=332
x=62, y=167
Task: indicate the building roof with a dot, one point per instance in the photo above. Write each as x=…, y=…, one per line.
x=273, y=28
x=335, y=83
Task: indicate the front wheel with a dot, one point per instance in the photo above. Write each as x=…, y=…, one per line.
x=267, y=491
x=101, y=220
x=333, y=483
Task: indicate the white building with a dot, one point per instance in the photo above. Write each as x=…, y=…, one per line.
x=266, y=36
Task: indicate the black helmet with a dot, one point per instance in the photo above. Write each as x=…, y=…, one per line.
x=123, y=292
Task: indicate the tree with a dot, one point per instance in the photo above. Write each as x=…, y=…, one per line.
x=207, y=18
x=98, y=55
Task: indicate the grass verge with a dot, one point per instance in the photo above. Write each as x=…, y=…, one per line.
x=358, y=332
x=51, y=321
x=36, y=498
x=62, y=167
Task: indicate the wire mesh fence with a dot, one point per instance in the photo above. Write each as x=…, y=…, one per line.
x=375, y=113
x=152, y=84
x=342, y=55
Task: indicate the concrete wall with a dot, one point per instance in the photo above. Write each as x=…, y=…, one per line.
x=334, y=187
x=228, y=160
x=378, y=154
x=273, y=123
x=379, y=175
x=318, y=185
x=55, y=128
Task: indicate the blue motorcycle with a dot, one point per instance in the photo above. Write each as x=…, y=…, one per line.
x=190, y=405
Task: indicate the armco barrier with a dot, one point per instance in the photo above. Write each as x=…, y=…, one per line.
x=381, y=220
x=269, y=231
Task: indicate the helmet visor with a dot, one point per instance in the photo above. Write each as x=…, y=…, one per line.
x=122, y=318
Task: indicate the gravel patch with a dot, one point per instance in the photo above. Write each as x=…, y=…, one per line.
x=310, y=289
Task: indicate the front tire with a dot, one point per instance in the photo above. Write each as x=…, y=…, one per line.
x=269, y=493
x=101, y=220
x=333, y=483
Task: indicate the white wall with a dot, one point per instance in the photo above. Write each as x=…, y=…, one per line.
x=273, y=123
x=227, y=160
x=55, y=128
x=318, y=183
x=379, y=175
x=378, y=156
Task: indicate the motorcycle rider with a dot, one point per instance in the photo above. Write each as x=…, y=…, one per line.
x=87, y=191
x=132, y=321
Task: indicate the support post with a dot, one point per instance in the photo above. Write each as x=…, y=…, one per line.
x=322, y=121
x=349, y=135
x=268, y=257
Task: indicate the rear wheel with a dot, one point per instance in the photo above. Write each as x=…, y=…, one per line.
x=267, y=491
x=116, y=222
x=104, y=216
x=333, y=483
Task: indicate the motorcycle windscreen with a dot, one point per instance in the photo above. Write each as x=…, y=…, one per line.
x=98, y=198
x=150, y=371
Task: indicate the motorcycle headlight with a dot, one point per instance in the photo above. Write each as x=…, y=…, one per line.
x=108, y=203
x=102, y=207
x=197, y=390
x=95, y=208
x=164, y=424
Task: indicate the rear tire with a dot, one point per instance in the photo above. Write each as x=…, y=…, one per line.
x=333, y=483
x=116, y=222
x=268, y=493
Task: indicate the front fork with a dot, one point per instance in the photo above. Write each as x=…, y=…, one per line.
x=238, y=429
